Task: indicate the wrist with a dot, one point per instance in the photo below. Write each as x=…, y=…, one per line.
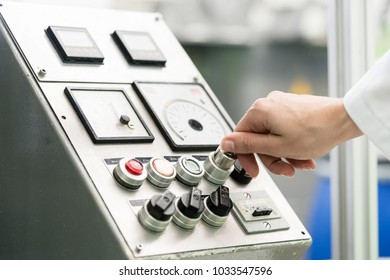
x=348, y=128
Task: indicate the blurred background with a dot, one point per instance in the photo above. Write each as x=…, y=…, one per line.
x=247, y=48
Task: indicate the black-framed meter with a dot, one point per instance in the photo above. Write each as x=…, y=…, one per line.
x=139, y=48
x=185, y=114
x=108, y=115
x=74, y=44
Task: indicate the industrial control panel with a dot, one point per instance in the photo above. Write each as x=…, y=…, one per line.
x=112, y=147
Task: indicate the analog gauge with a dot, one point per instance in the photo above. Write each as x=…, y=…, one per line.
x=190, y=122
x=186, y=115
x=108, y=115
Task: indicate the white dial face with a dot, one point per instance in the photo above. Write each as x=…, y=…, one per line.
x=192, y=123
x=187, y=116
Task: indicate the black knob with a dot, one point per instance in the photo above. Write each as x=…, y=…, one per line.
x=239, y=174
x=124, y=119
x=219, y=202
x=161, y=207
x=191, y=204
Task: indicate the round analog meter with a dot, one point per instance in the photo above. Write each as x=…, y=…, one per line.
x=190, y=122
x=185, y=113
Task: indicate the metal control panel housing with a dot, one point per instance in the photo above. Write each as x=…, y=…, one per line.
x=101, y=140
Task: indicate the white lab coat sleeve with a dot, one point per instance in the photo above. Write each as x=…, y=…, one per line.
x=368, y=104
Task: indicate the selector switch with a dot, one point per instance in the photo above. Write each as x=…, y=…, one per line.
x=160, y=172
x=157, y=212
x=217, y=207
x=239, y=174
x=189, y=209
x=189, y=170
x=130, y=173
x=218, y=166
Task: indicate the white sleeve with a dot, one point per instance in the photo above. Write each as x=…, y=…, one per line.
x=368, y=104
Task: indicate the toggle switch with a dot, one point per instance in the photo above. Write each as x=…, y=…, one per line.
x=262, y=210
x=218, y=166
x=189, y=209
x=130, y=173
x=189, y=170
x=157, y=212
x=160, y=172
x=217, y=207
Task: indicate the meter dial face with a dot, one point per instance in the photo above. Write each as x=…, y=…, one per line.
x=185, y=113
x=190, y=122
x=108, y=115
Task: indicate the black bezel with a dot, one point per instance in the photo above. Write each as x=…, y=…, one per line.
x=117, y=36
x=174, y=146
x=101, y=140
x=51, y=32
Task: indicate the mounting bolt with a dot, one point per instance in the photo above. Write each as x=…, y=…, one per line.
x=138, y=248
x=42, y=73
x=196, y=79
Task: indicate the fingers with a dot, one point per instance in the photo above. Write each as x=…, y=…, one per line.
x=278, y=166
x=249, y=163
x=305, y=164
x=262, y=143
x=248, y=142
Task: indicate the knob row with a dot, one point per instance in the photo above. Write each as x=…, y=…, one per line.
x=186, y=211
x=131, y=173
x=217, y=167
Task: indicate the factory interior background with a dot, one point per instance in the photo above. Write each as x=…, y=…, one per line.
x=247, y=48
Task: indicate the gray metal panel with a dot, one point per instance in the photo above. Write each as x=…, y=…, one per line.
x=67, y=172
x=48, y=206
x=41, y=54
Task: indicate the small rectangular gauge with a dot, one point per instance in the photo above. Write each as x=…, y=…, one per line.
x=74, y=44
x=108, y=115
x=185, y=114
x=139, y=48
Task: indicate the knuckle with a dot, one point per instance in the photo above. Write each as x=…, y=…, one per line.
x=274, y=93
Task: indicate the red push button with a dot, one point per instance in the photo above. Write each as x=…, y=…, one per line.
x=134, y=167
x=163, y=167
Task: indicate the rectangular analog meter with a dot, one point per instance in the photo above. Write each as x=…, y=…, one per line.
x=108, y=115
x=74, y=44
x=186, y=115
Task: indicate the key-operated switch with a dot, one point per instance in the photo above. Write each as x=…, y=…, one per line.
x=189, y=209
x=217, y=207
x=157, y=212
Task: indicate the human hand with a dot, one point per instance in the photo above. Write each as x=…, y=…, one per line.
x=288, y=131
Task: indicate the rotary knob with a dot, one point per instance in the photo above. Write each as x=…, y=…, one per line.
x=160, y=172
x=189, y=209
x=217, y=207
x=218, y=166
x=130, y=173
x=239, y=174
x=189, y=170
x=157, y=212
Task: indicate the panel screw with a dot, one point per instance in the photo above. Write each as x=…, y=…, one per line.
x=267, y=225
x=138, y=248
x=42, y=73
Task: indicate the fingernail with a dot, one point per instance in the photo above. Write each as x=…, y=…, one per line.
x=227, y=146
x=287, y=175
x=307, y=169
